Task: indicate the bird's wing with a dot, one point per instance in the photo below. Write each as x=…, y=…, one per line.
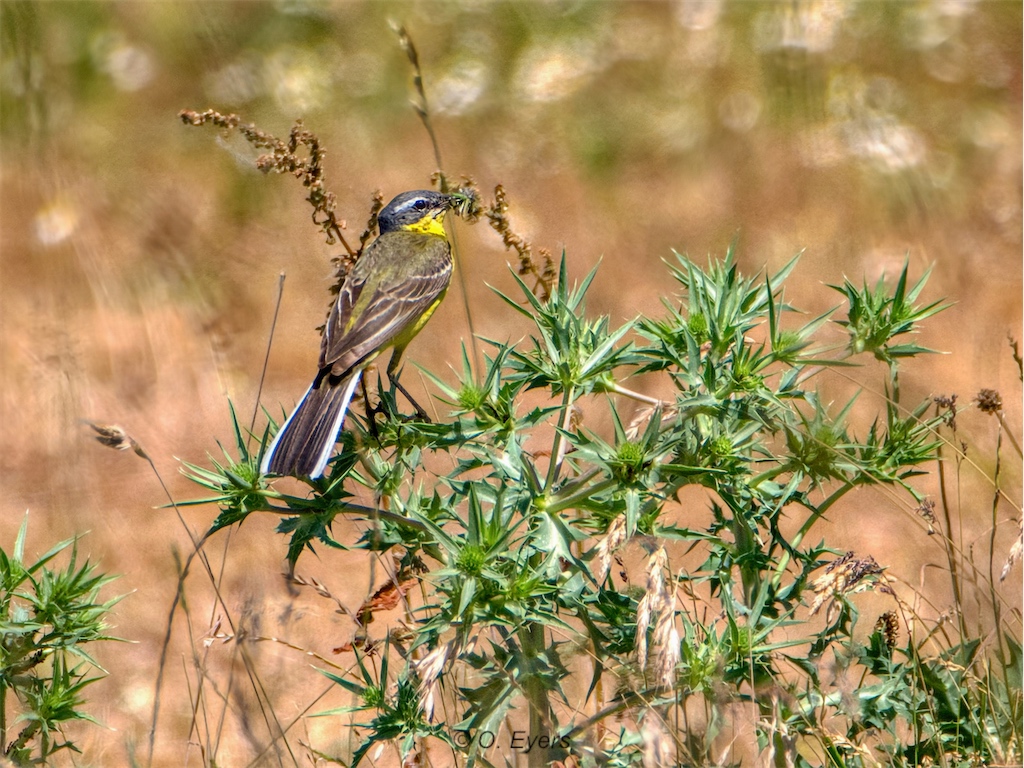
x=395, y=282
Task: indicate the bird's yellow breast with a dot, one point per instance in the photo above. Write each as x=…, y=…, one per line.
x=403, y=339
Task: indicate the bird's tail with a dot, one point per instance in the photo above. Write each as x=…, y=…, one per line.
x=306, y=440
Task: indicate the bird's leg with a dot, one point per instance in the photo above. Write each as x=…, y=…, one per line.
x=393, y=374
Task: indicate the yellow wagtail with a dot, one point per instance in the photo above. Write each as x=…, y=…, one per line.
x=384, y=302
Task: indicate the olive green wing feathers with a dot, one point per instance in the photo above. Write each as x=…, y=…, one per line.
x=398, y=280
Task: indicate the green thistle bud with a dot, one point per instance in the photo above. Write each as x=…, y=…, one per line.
x=373, y=697
x=471, y=560
x=698, y=327
x=471, y=397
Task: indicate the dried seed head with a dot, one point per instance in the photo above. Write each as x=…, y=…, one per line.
x=889, y=627
x=842, y=576
x=643, y=621
x=576, y=416
x=321, y=589
x=428, y=669
x=1014, y=555
x=989, y=401
x=612, y=540
x=947, y=403
x=656, y=567
x=926, y=509
x=114, y=436
x=216, y=634
x=666, y=658
x=497, y=217
x=639, y=420
x=657, y=606
x=282, y=158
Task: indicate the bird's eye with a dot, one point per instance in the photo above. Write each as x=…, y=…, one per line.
x=419, y=205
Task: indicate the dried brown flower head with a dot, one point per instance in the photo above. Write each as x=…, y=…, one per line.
x=888, y=625
x=842, y=577
x=926, y=509
x=947, y=403
x=544, y=276
x=283, y=158
x=989, y=401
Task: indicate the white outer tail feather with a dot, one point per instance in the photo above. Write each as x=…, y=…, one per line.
x=339, y=420
x=325, y=452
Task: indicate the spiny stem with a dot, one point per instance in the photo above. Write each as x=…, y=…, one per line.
x=574, y=485
x=568, y=501
x=556, y=446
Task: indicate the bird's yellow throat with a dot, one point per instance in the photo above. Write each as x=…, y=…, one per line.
x=430, y=224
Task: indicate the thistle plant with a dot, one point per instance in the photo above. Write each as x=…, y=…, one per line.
x=530, y=632
x=48, y=617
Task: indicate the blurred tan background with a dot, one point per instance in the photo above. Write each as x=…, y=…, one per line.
x=140, y=257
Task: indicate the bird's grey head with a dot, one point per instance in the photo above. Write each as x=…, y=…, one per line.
x=414, y=210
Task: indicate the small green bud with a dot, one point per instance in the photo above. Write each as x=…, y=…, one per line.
x=697, y=325
x=373, y=697
x=471, y=560
x=630, y=459
x=721, y=446
x=471, y=397
x=631, y=453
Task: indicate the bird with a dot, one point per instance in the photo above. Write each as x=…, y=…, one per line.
x=384, y=301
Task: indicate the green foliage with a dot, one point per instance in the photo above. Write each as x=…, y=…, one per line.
x=522, y=608
x=47, y=616
x=876, y=317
